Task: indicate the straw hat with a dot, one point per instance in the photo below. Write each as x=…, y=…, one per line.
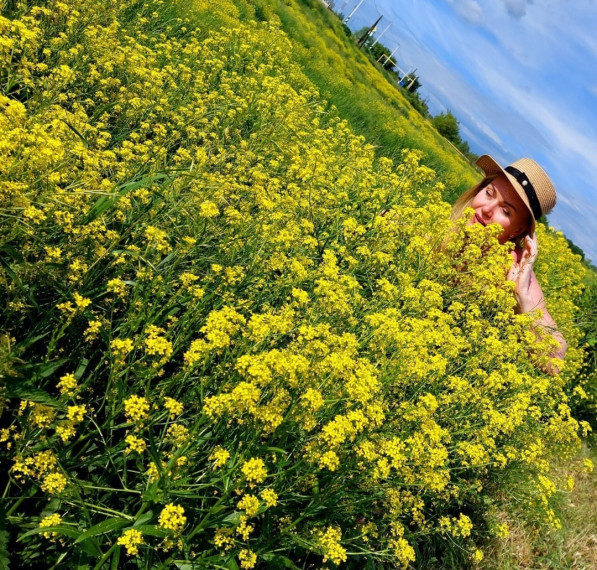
x=529, y=180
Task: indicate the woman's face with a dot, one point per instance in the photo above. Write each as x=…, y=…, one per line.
x=499, y=203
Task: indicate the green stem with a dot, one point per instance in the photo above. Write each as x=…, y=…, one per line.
x=15, y=506
x=105, y=557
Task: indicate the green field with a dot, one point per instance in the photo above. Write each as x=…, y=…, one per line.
x=363, y=94
x=216, y=352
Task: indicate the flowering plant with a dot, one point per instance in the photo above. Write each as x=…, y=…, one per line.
x=216, y=350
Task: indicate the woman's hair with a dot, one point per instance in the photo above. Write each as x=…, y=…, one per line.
x=465, y=201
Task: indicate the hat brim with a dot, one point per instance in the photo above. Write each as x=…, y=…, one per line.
x=492, y=168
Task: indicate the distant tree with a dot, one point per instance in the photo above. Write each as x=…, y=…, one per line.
x=378, y=50
x=447, y=125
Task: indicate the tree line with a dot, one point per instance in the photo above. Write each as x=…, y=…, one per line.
x=445, y=123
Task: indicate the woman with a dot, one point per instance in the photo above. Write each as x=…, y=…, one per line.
x=515, y=197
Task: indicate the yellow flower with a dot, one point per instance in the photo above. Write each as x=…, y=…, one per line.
x=53, y=254
x=172, y=518
x=223, y=538
x=249, y=504
x=177, y=434
x=121, y=347
x=76, y=413
x=156, y=344
x=208, y=209
x=173, y=406
x=43, y=415
x=243, y=529
x=68, y=384
x=136, y=408
x=152, y=472
x=270, y=497
x=329, y=543
x=187, y=279
x=219, y=456
x=157, y=238
x=34, y=214
x=254, y=470
x=117, y=286
x=131, y=539
x=81, y=302
x=329, y=460
x=53, y=483
x=136, y=444
x=65, y=431
x=247, y=558
x=51, y=520
x=92, y=330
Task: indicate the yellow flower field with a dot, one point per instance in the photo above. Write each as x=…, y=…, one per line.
x=216, y=352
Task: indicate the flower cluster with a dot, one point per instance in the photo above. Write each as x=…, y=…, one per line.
x=235, y=335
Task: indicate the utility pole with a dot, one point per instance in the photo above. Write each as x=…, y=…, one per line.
x=382, y=33
x=368, y=33
x=352, y=13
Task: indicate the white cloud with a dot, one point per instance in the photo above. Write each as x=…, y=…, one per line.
x=470, y=11
x=516, y=8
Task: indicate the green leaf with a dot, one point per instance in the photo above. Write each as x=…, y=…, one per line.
x=143, y=519
x=103, y=528
x=59, y=529
x=4, y=554
x=17, y=280
x=277, y=561
x=152, y=530
x=74, y=130
x=184, y=565
x=234, y=517
x=25, y=390
x=106, y=202
x=116, y=559
x=81, y=368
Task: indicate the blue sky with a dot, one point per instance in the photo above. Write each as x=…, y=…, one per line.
x=519, y=75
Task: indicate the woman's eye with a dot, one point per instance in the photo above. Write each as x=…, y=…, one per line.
x=506, y=212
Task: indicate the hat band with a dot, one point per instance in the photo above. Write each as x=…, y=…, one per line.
x=528, y=188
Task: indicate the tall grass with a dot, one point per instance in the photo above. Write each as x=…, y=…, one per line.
x=363, y=95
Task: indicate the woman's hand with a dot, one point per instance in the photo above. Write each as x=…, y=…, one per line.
x=528, y=295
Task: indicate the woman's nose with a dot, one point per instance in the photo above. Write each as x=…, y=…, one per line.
x=487, y=209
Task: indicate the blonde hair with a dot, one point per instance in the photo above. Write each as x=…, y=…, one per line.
x=465, y=200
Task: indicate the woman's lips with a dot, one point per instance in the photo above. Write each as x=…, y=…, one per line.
x=480, y=220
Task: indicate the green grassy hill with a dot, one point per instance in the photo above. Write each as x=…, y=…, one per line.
x=363, y=93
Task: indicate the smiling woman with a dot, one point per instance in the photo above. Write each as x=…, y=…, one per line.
x=515, y=197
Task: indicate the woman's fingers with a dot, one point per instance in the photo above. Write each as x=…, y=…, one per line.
x=513, y=272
